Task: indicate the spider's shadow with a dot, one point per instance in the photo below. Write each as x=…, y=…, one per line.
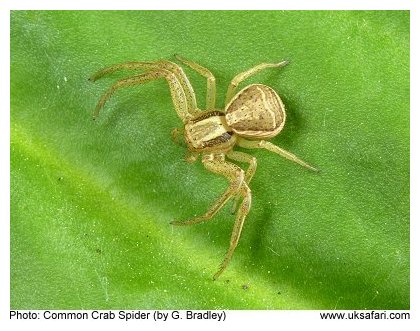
x=295, y=122
x=136, y=105
x=262, y=221
x=264, y=217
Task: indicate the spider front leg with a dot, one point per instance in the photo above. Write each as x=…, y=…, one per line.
x=246, y=74
x=211, y=81
x=177, y=92
x=155, y=66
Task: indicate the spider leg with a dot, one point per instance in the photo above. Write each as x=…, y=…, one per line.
x=232, y=172
x=190, y=157
x=236, y=177
x=237, y=228
x=206, y=73
x=275, y=149
x=243, y=157
x=177, y=136
x=155, y=66
x=246, y=74
x=177, y=92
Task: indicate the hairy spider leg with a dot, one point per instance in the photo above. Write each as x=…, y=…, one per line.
x=206, y=73
x=246, y=158
x=177, y=92
x=236, y=177
x=263, y=144
x=177, y=135
x=248, y=73
x=155, y=66
x=237, y=228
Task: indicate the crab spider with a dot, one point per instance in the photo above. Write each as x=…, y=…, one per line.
x=249, y=119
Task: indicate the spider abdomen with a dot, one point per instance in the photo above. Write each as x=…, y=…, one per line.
x=209, y=131
x=256, y=112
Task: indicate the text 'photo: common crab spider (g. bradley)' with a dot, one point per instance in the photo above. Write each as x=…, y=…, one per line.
x=250, y=117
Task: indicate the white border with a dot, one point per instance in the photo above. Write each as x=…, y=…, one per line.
x=208, y=5
x=5, y=162
x=241, y=319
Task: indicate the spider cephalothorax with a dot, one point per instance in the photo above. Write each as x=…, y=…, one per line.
x=249, y=118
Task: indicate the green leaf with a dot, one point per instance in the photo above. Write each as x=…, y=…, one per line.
x=91, y=201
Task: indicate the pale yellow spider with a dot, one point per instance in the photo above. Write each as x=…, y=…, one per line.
x=249, y=118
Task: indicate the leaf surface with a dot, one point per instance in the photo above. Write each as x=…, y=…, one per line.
x=91, y=201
